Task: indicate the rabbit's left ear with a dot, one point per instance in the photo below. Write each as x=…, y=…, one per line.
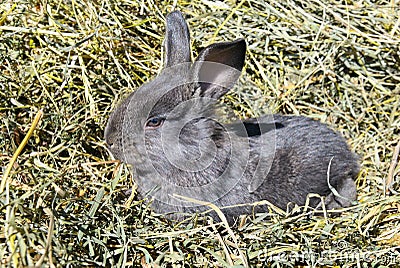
x=218, y=67
x=177, y=40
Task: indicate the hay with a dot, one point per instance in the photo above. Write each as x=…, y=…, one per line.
x=64, y=201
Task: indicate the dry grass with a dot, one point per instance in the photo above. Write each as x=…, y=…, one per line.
x=63, y=201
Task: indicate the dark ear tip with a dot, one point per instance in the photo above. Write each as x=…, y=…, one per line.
x=240, y=46
x=241, y=43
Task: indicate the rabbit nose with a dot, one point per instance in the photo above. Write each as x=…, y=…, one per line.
x=110, y=144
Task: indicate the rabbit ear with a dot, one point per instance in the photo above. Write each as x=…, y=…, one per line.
x=218, y=67
x=177, y=40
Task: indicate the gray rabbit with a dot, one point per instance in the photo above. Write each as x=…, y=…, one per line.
x=179, y=145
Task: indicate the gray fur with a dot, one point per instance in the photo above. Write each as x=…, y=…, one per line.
x=276, y=158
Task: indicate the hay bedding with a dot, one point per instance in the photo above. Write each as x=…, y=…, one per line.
x=64, y=203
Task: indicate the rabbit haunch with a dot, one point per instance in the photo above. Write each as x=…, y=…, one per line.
x=178, y=146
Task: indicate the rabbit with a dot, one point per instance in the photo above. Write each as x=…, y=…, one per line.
x=181, y=150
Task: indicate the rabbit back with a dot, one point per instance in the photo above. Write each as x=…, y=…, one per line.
x=309, y=157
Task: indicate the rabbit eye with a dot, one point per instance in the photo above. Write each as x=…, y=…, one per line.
x=154, y=122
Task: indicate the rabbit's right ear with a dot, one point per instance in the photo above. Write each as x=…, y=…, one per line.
x=177, y=40
x=218, y=67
